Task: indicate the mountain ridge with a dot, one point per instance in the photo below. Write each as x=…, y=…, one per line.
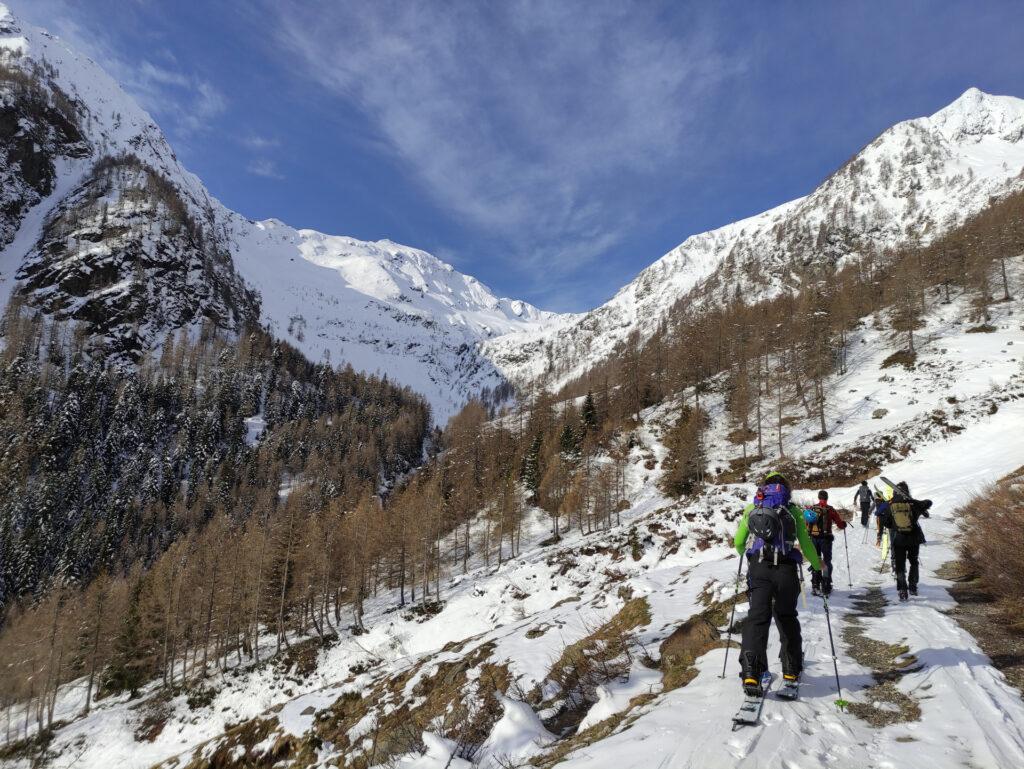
x=927, y=174
x=402, y=313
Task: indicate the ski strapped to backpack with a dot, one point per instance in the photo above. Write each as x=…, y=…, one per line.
x=768, y=522
x=900, y=508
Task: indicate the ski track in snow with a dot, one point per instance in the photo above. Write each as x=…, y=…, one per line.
x=970, y=716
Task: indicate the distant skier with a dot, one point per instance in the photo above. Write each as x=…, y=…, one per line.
x=863, y=498
x=774, y=524
x=881, y=507
x=819, y=524
x=905, y=536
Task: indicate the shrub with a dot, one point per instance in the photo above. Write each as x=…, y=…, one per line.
x=992, y=542
x=904, y=358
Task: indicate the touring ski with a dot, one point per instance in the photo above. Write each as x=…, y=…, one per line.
x=895, y=489
x=750, y=710
x=790, y=690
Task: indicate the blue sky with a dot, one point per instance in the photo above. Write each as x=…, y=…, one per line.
x=552, y=149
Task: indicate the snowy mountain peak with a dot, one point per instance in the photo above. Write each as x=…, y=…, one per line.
x=396, y=310
x=8, y=24
x=382, y=306
x=977, y=114
x=10, y=33
x=915, y=180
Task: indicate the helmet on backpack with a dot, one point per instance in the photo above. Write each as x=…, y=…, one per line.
x=774, y=491
x=776, y=477
x=769, y=521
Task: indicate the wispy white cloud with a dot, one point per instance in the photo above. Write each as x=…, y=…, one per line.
x=204, y=104
x=259, y=143
x=261, y=163
x=537, y=122
x=185, y=103
x=264, y=167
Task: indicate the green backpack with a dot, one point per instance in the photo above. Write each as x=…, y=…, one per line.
x=902, y=519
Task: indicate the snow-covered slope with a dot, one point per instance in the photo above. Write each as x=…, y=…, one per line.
x=915, y=180
x=382, y=307
x=103, y=225
x=932, y=698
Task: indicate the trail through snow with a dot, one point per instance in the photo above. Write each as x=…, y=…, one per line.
x=970, y=716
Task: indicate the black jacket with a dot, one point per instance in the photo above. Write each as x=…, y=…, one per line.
x=918, y=509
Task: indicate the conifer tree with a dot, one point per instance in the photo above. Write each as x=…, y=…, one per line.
x=531, y=474
x=588, y=415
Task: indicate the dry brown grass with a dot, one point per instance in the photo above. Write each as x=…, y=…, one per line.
x=903, y=358
x=992, y=544
x=605, y=654
x=979, y=614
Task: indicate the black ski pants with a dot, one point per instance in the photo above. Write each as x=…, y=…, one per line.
x=824, y=547
x=901, y=553
x=772, y=591
x=865, y=513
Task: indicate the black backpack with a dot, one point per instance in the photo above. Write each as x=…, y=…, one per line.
x=816, y=525
x=771, y=523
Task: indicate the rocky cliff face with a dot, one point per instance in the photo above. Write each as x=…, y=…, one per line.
x=125, y=257
x=99, y=223
x=39, y=124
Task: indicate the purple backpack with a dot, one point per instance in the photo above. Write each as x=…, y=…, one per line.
x=767, y=521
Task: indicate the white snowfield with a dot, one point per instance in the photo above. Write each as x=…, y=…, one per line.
x=382, y=307
x=552, y=596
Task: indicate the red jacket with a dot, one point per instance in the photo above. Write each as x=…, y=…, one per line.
x=828, y=516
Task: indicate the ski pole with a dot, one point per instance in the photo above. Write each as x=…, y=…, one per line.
x=849, y=578
x=732, y=616
x=840, y=702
